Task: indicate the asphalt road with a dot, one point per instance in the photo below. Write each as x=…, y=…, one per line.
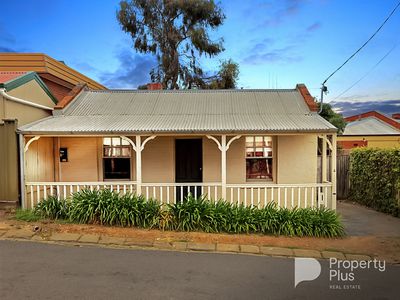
x=31, y=270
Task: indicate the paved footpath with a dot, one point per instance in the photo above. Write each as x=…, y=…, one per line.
x=8, y=232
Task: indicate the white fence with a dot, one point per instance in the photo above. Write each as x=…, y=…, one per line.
x=36, y=191
x=173, y=192
x=255, y=195
x=284, y=195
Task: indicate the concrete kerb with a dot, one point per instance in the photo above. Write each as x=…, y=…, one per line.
x=65, y=237
x=18, y=233
x=129, y=243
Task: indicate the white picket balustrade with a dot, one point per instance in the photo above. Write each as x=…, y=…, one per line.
x=169, y=193
x=36, y=191
x=255, y=195
x=284, y=195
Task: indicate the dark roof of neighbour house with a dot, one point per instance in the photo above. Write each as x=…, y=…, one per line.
x=183, y=111
x=371, y=123
x=10, y=80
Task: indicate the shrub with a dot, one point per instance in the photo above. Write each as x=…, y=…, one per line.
x=193, y=214
x=241, y=219
x=202, y=215
x=52, y=208
x=375, y=178
x=110, y=208
x=103, y=207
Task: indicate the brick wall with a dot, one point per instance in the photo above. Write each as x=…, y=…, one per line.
x=352, y=144
x=56, y=89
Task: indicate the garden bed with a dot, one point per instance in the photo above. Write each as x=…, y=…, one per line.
x=109, y=208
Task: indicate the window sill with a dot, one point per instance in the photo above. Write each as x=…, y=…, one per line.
x=260, y=180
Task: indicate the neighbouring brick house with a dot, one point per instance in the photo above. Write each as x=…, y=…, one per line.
x=30, y=86
x=371, y=129
x=59, y=78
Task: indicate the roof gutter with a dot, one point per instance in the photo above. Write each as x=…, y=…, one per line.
x=169, y=133
x=22, y=101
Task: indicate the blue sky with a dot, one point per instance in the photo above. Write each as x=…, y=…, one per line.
x=276, y=43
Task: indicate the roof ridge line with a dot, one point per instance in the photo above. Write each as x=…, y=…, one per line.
x=190, y=91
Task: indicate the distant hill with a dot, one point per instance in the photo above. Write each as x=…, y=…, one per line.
x=387, y=107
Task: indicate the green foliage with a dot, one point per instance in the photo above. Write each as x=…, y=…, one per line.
x=203, y=215
x=109, y=208
x=176, y=32
x=26, y=215
x=332, y=117
x=375, y=178
x=226, y=78
x=52, y=208
x=192, y=214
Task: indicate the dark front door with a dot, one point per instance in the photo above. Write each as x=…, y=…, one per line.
x=188, y=165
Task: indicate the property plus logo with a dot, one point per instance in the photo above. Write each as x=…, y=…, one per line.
x=306, y=269
x=342, y=273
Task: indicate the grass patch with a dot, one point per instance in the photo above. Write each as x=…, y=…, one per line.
x=26, y=215
x=109, y=208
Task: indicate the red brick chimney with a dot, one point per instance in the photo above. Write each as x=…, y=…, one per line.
x=396, y=116
x=71, y=95
x=308, y=99
x=154, y=86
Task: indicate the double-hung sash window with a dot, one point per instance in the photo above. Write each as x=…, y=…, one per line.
x=259, y=157
x=116, y=158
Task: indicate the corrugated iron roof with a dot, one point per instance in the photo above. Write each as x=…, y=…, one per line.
x=370, y=126
x=184, y=111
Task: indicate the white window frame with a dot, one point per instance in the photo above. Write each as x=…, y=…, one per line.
x=272, y=157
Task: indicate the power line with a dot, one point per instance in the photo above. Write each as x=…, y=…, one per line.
x=359, y=49
x=366, y=74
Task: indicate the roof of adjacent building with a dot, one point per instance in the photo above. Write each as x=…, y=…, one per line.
x=371, y=123
x=5, y=77
x=44, y=64
x=10, y=80
x=183, y=111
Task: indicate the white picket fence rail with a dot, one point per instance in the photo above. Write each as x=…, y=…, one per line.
x=255, y=195
x=175, y=192
x=284, y=195
x=36, y=191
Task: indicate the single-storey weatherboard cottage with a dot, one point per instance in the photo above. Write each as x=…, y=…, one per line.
x=244, y=146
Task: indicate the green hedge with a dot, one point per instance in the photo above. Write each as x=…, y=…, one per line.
x=109, y=208
x=375, y=178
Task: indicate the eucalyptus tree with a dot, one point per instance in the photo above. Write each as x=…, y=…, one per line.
x=177, y=33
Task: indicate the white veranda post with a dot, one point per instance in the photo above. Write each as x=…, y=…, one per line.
x=223, y=166
x=333, y=169
x=138, y=165
x=223, y=146
x=23, y=148
x=329, y=141
x=323, y=154
x=138, y=146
